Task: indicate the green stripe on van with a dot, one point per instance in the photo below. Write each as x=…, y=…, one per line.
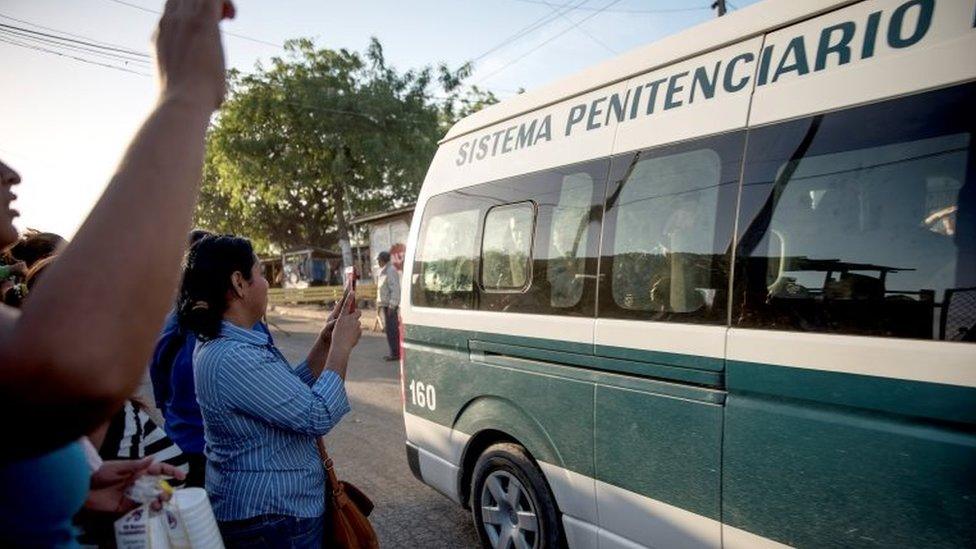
x=644, y=369
x=659, y=357
x=458, y=339
x=897, y=396
x=704, y=371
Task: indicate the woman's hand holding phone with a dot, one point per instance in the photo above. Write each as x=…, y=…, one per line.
x=345, y=333
x=326, y=334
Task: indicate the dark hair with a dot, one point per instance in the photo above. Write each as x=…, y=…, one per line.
x=34, y=247
x=34, y=273
x=196, y=235
x=383, y=257
x=210, y=264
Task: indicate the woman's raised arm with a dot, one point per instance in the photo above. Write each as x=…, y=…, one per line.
x=81, y=344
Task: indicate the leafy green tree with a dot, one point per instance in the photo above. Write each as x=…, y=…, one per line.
x=319, y=135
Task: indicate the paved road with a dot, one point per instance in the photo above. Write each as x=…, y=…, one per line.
x=368, y=448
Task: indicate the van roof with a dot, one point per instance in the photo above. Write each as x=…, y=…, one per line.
x=734, y=27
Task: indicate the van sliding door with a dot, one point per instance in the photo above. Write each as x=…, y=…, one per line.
x=663, y=302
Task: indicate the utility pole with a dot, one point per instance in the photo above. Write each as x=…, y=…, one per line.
x=720, y=6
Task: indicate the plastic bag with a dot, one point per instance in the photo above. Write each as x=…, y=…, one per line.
x=143, y=528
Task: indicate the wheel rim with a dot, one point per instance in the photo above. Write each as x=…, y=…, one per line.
x=507, y=513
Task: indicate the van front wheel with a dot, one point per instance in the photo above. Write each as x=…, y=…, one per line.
x=511, y=503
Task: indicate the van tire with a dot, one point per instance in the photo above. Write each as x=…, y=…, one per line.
x=502, y=463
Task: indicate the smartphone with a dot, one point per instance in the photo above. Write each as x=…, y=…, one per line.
x=350, y=284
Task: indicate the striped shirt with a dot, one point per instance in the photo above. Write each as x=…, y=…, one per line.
x=132, y=434
x=261, y=420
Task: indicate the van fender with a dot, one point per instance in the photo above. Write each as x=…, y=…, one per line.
x=494, y=419
x=492, y=414
x=491, y=419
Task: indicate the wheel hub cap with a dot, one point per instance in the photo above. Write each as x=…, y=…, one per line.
x=507, y=513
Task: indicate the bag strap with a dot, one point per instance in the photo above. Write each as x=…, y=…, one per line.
x=329, y=466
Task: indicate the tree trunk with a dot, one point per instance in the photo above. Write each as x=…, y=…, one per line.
x=342, y=228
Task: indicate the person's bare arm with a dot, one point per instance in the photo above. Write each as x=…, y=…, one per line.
x=81, y=344
x=320, y=349
x=345, y=336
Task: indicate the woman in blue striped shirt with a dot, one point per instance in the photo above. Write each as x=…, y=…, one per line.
x=261, y=417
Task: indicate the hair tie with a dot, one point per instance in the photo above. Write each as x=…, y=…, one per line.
x=201, y=305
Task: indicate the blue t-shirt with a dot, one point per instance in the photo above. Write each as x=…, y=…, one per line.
x=171, y=371
x=40, y=495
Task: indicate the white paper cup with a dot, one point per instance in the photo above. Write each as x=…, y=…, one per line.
x=191, y=498
x=208, y=537
x=204, y=537
x=197, y=518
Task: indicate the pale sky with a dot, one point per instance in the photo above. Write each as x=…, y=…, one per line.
x=64, y=123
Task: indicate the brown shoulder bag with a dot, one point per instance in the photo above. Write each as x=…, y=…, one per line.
x=347, y=507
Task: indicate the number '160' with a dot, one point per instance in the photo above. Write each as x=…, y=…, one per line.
x=423, y=395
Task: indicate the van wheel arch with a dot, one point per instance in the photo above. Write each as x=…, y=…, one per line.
x=476, y=446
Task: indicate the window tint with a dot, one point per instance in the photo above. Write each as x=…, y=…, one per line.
x=444, y=268
x=861, y=221
x=668, y=233
x=506, y=248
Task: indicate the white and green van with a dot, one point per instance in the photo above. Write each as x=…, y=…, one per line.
x=717, y=292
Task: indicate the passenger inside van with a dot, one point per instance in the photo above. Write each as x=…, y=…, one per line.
x=851, y=234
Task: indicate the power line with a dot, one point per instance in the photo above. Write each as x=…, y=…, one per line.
x=258, y=40
x=68, y=56
x=583, y=29
x=536, y=48
x=368, y=117
x=79, y=49
x=68, y=39
x=228, y=33
x=633, y=11
x=4, y=16
x=58, y=43
x=75, y=50
x=135, y=6
x=67, y=45
x=535, y=25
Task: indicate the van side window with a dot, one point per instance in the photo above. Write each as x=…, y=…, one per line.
x=862, y=221
x=668, y=233
x=445, y=264
x=541, y=240
x=568, y=240
x=507, y=247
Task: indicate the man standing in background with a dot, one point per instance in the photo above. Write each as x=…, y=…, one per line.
x=388, y=303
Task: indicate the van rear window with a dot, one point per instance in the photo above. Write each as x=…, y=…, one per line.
x=444, y=268
x=525, y=244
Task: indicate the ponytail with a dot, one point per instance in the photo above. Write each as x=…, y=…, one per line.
x=210, y=264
